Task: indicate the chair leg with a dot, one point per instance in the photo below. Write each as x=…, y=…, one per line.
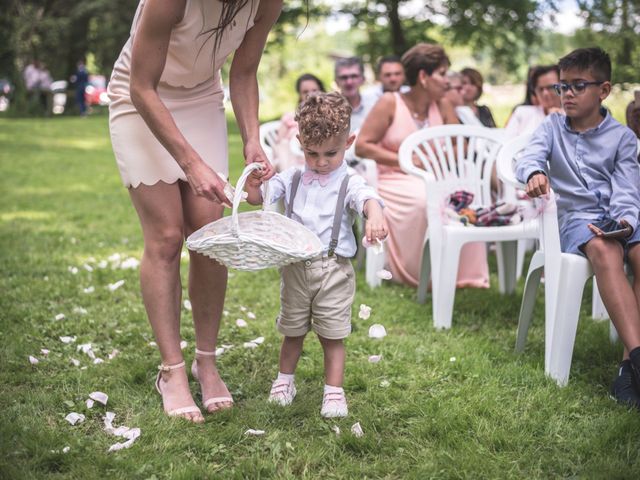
x=444, y=294
x=374, y=263
x=507, y=253
x=524, y=246
x=536, y=267
x=425, y=274
x=565, y=322
x=598, y=310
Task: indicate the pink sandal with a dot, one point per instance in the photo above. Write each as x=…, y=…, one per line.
x=212, y=400
x=176, y=412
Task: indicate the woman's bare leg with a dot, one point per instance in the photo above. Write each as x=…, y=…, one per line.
x=159, y=208
x=207, y=288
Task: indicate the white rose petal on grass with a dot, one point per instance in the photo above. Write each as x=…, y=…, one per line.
x=243, y=309
x=375, y=358
x=99, y=397
x=66, y=449
x=33, y=360
x=356, y=429
x=251, y=431
x=46, y=278
x=67, y=339
x=152, y=344
x=187, y=305
x=89, y=289
x=377, y=331
x=87, y=267
x=251, y=315
x=44, y=351
x=97, y=361
x=365, y=312
x=80, y=310
x=384, y=274
x=89, y=403
x=336, y=429
x=75, y=362
x=226, y=346
x=74, y=418
x=73, y=270
x=59, y=317
x=87, y=350
x=241, y=323
x=259, y=340
x=250, y=345
x=183, y=344
x=130, y=264
x=115, y=258
x=385, y=383
x=113, y=354
x=116, y=285
x=219, y=351
x=452, y=359
x=225, y=312
x=102, y=264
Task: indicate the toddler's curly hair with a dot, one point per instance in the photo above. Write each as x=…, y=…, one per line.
x=323, y=116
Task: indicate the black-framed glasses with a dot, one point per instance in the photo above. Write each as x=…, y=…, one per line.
x=576, y=88
x=353, y=76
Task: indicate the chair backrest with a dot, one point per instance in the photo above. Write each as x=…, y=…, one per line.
x=268, y=134
x=458, y=157
x=467, y=117
x=507, y=159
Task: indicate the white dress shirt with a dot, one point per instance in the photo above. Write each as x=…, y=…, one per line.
x=314, y=206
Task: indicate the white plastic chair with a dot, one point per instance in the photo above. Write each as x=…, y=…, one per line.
x=563, y=272
x=268, y=135
x=458, y=157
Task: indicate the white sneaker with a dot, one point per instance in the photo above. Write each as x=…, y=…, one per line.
x=334, y=404
x=282, y=392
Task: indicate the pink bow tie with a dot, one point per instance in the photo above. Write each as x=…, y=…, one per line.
x=308, y=177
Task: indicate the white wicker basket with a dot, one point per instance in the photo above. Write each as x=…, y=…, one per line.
x=255, y=240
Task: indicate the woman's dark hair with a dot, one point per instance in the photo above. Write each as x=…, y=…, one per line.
x=534, y=74
x=230, y=9
x=309, y=76
x=423, y=56
x=475, y=78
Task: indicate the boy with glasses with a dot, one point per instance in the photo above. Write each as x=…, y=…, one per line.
x=592, y=167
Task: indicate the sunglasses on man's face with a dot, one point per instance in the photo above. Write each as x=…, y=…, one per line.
x=576, y=88
x=353, y=76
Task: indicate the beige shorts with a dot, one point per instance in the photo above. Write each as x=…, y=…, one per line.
x=317, y=295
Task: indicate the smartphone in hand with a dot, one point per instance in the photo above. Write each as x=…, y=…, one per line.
x=611, y=229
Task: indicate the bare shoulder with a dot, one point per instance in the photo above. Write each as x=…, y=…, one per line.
x=268, y=12
x=164, y=12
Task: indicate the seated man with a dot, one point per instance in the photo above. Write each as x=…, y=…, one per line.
x=349, y=74
x=593, y=169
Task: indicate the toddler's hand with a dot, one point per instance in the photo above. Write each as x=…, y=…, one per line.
x=537, y=185
x=376, y=228
x=255, y=179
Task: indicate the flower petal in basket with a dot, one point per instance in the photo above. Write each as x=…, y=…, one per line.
x=255, y=240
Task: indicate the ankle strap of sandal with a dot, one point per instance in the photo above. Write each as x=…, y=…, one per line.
x=166, y=368
x=204, y=353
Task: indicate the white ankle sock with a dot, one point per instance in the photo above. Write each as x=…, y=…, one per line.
x=288, y=377
x=332, y=389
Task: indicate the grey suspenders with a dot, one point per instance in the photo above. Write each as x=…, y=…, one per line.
x=337, y=217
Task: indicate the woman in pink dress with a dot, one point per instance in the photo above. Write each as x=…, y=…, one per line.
x=169, y=136
x=392, y=119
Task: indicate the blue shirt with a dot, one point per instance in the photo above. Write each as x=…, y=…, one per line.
x=315, y=206
x=595, y=173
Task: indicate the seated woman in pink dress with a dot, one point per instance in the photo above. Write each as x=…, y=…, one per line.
x=392, y=119
x=283, y=156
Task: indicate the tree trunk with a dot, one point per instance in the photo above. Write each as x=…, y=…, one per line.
x=398, y=42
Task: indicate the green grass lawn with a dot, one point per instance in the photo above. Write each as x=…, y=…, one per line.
x=454, y=404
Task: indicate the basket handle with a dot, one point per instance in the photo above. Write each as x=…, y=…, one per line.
x=239, y=191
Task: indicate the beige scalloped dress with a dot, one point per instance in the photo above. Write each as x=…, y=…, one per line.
x=189, y=86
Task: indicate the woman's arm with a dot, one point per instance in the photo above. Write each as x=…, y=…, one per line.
x=243, y=83
x=448, y=112
x=148, y=58
x=373, y=130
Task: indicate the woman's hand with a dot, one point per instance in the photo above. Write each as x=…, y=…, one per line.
x=253, y=153
x=206, y=183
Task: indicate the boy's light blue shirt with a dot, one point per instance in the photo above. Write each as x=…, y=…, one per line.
x=595, y=173
x=315, y=206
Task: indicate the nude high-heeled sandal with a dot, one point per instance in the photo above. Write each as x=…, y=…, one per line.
x=211, y=400
x=177, y=412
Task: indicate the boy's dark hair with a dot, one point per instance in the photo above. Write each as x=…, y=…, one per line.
x=387, y=59
x=594, y=60
x=309, y=76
